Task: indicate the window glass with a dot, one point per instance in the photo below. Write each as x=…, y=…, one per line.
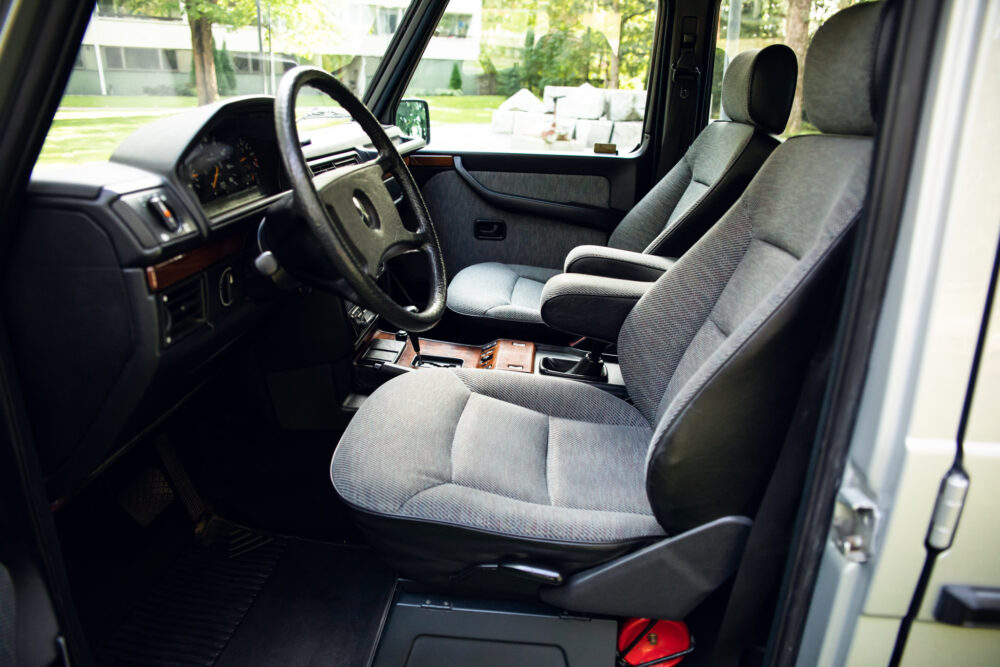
x=136, y=65
x=745, y=25
x=537, y=75
x=142, y=59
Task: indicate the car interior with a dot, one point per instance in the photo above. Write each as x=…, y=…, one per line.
x=380, y=404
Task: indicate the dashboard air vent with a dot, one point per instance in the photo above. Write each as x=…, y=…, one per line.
x=320, y=166
x=183, y=310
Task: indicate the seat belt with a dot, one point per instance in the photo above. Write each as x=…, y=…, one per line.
x=768, y=544
x=685, y=79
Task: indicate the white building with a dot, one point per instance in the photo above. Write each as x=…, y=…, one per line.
x=126, y=54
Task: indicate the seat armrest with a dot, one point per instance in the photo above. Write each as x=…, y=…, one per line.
x=597, y=260
x=591, y=306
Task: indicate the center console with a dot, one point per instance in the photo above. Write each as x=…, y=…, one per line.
x=394, y=349
x=383, y=355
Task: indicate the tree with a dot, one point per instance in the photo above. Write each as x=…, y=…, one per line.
x=456, y=78
x=225, y=73
x=797, y=39
x=201, y=16
x=634, y=37
x=302, y=23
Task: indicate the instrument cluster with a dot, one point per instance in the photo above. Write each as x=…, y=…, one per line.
x=232, y=164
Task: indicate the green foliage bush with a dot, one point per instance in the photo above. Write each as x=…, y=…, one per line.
x=225, y=73
x=455, y=83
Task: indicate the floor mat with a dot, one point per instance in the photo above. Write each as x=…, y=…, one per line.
x=324, y=605
x=287, y=602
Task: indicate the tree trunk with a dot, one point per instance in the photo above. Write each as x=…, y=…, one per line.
x=614, y=62
x=797, y=38
x=205, y=83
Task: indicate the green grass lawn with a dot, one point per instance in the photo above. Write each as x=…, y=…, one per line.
x=463, y=109
x=127, y=101
x=78, y=140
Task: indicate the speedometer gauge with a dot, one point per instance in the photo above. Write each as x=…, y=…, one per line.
x=216, y=169
x=247, y=165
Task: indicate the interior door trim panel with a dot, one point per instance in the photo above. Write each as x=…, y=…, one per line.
x=603, y=219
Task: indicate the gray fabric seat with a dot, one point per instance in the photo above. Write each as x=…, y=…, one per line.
x=757, y=94
x=446, y=470
x=500, y=291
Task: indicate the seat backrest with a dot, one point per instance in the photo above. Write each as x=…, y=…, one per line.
x=715, y=352
x=757, y=92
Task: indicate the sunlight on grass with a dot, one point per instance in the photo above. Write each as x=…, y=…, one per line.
x=80, y=140
x=128, y=101
x=463, y=109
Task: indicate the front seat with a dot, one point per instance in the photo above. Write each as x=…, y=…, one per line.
x=757, y=93
x=446, y=470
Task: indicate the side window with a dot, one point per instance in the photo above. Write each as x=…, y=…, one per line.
x=538, y=77
x=139, y=62
x=754, y=25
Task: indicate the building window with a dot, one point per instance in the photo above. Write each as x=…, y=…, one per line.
x=454, y=25
x=387, y=20
x=170, y=60
x=112, y=56
x=130, y=58
x=86, y=58
x=246, y=63
x=146, y=59
x=123, y=9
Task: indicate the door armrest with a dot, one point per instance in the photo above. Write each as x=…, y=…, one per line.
x=597, y=260
x=591, y=306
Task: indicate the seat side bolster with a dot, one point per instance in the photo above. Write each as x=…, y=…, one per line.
x=615, y=263
x=678, y=237
x=591, y=306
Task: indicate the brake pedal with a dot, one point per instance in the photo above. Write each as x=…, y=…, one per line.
x=214, y=530
x=146, y=496
x=195, y=505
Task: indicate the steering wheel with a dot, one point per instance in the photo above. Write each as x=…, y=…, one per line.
x=349, y=209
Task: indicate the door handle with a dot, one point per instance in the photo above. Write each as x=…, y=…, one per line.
x=969, y=606
x=490, y=230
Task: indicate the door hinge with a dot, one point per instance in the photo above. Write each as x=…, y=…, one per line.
x=856, y=520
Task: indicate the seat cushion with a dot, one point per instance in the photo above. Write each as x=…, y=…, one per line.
x=499, y=466
x=499, y=291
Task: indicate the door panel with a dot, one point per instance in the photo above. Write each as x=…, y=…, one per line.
x=529, y=239
x=581, y=189
x=602, y=187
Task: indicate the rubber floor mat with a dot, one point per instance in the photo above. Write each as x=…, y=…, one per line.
x=193, y=611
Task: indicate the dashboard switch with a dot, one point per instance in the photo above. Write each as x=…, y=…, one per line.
x=163, y=213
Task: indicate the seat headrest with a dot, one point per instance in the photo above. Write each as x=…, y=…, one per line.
x=759, y=86
x=847, y=67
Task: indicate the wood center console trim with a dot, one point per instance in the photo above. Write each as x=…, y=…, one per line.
x=504, y=354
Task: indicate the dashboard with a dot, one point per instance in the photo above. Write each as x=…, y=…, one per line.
x=138, y=273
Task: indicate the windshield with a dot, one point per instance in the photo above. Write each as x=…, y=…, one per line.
x=143, y=59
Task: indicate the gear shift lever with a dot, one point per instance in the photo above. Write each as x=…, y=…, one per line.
x=414, y=341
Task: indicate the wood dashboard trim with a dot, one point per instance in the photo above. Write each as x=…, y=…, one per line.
x=172, y=271
x=430, y=161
